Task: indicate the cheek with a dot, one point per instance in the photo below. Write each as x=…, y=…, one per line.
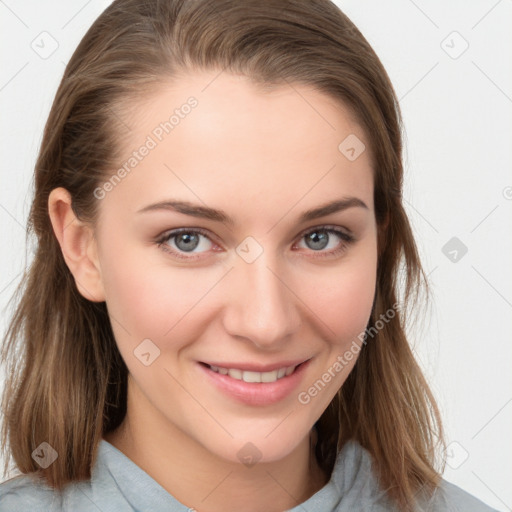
x=343, y=299
x=352, y=305
x=143, y=298
x=158, y=302
x=150, y=300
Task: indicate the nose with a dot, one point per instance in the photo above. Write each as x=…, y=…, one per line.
x=262, y=307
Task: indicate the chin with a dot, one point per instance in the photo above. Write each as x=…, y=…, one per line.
x=264, y=448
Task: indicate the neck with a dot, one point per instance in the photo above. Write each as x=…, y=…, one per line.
x=200, y=480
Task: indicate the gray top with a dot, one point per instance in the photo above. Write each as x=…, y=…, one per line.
x=117, y=485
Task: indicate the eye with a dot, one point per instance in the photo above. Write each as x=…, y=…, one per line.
x=188, y=243
x=185, y=241
x=326, y=237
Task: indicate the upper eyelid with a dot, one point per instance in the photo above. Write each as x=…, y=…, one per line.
x=325, y=227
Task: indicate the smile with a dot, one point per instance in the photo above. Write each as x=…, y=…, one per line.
x=250, y=376
x=256, y=388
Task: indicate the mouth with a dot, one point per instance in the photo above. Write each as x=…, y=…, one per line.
x=255, y=376
x=243, y=383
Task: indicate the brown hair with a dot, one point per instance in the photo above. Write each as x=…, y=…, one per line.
x=66, y=381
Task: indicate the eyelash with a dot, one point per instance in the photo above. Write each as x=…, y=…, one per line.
x=331, y=230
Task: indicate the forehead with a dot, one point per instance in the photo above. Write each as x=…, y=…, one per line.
x=216, y=136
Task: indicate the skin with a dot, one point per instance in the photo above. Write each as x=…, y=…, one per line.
x=263, y=157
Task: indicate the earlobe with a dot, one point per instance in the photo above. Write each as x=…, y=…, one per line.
x=78, y=245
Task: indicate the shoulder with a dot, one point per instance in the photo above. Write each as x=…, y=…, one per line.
x=26, y=493
x=30, y=493
x=116, y=485
x=450, y=498
x=356, y=483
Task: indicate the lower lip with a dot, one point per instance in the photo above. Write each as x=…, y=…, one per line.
x=257, y=393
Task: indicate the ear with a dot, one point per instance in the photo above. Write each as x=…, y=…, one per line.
x=78, y=245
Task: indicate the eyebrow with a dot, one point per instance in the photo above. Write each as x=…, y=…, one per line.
x=214, y=214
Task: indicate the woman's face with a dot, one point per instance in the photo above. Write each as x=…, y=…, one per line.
x=275, y=264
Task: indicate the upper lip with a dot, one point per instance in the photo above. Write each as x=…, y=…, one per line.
x=254, y=367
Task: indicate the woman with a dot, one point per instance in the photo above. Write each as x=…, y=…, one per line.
x=213, y=319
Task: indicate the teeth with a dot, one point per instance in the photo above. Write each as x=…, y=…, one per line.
x=248, y=376
x=251, y=376
x=235, y=374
